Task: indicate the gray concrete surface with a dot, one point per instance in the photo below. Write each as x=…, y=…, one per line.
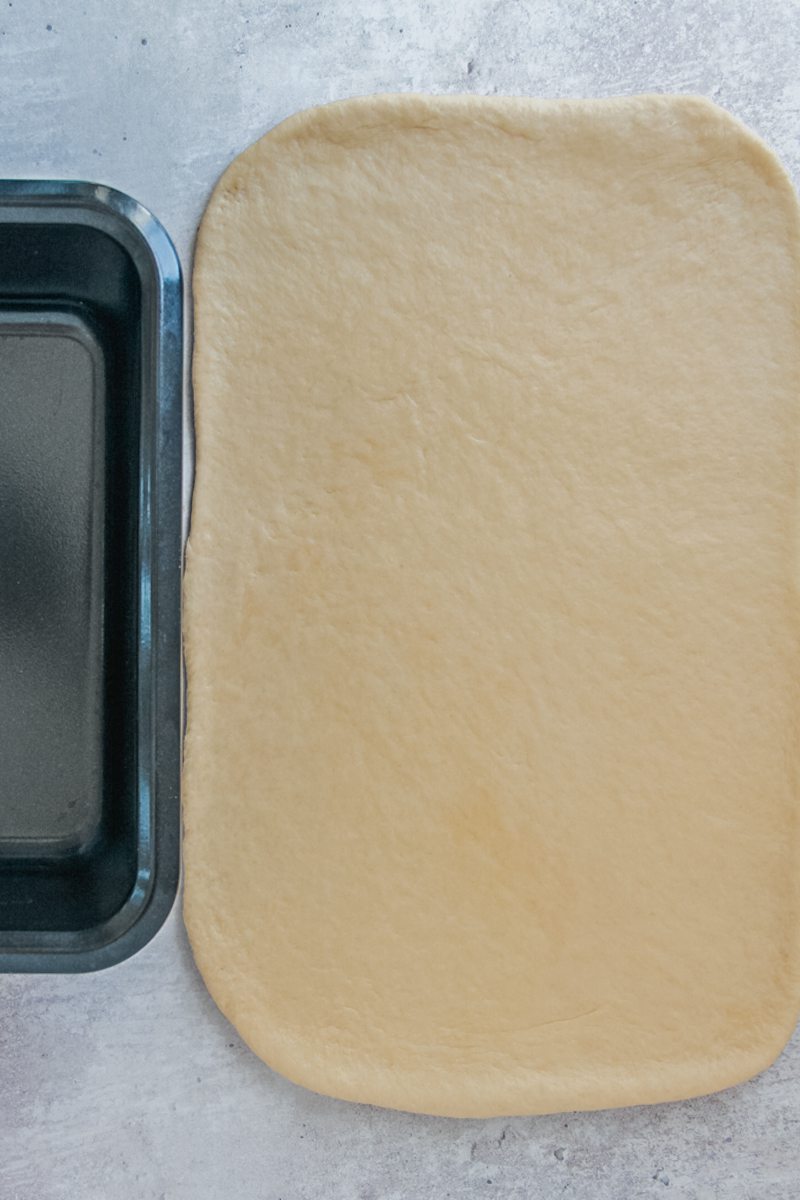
x=129, y=1085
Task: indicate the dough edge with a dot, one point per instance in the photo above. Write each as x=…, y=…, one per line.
x=503, y=1091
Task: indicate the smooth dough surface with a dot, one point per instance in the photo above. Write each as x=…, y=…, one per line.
x=491, y=613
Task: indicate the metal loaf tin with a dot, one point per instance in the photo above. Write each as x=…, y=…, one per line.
x=90, y=561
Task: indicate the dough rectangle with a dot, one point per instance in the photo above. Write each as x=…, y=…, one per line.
x=491, y=608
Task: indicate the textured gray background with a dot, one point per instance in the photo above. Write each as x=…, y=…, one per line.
x=129, y=1085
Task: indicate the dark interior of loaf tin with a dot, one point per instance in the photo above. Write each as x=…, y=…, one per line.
x=70, y=388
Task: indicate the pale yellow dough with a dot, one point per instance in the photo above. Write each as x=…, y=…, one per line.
x=491, y=616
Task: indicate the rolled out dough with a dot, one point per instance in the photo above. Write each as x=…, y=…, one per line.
x=491, y=616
